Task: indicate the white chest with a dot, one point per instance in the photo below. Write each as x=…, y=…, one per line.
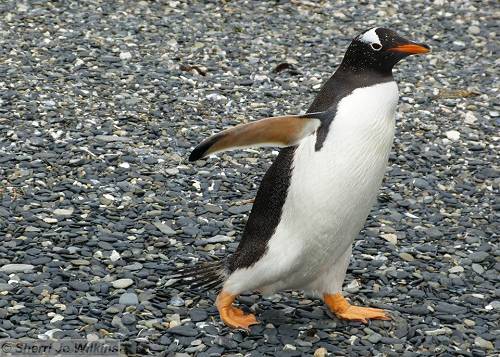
x=333, y=189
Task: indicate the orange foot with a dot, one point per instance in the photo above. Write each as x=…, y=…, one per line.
x=343, y=310
x=232, y=316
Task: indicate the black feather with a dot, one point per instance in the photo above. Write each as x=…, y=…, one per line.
x=200, y=150
x=202, y=275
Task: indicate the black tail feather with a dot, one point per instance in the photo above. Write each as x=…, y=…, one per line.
x=202, y=276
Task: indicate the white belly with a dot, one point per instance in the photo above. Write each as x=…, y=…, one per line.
x=331, y=191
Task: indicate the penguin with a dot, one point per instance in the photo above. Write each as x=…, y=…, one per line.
x=318, y=192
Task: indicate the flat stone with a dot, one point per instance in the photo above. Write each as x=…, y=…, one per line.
x=128, y=319
x=79, y=285
x=320, y=352
x=87, y=319
x=164, y=228
x=390, y=237
x=122, y=283
x=112, y=138
x=456, y=269
x=5, y=287
x=453, y=135
x=482, y=343
x=198, y=315
x=183, y=331
x=16, y=268
x=64, y=212
x=439, y=331
x=479, y=257
x=407, y=257
x=129, y=299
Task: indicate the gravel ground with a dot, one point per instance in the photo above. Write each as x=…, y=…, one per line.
x=101, y=103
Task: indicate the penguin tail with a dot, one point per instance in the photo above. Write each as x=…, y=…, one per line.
x=202, y=276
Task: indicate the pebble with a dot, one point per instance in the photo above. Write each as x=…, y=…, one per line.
x=16, y=268
x=183, y=331
x=469, y=323
x=122, y=283
x=125, y=55
x=64, y=212
x=115, y=256
x=164, y=228
x=87, y=319
x=453, y=135
x=129, y=299
x=391, y=238
x=477, y=268
x=6, y=287
x=482, y=343
x=474, y=30
x=407, y=257
x=197, y=315
x=479, y=257
x=79, y=285
x=456, y=269
x=320, y=352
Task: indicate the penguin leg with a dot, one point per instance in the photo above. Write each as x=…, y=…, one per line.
x=331, y=286
x=232, y=316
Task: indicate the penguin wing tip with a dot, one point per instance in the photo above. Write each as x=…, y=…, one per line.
x=203, y=149
x=199, y=152
x=195, y=155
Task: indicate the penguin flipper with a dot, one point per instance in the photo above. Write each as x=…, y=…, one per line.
x=280, y=131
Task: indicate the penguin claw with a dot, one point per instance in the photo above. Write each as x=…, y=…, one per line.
x=343, y=310
x=232, y=316
x=362, y=314
x=237, y=319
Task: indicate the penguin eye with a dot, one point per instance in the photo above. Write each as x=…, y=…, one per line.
x=376, y=46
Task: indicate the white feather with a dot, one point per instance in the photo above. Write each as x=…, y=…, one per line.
x=330, y=196
x=370, y=37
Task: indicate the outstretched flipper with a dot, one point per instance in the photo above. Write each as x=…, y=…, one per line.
x=276, y=131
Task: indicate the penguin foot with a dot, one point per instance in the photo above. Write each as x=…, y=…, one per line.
x=343, y=310
x=232, y=316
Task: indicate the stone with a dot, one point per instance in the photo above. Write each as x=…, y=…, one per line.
x=16, y=268
x=164, y=228
x=87, y=319
x=122, y=283
x=320, y=352
x=183, y=331
x=406, y=257
x=390, y=237
x=456, y=269
x=64, y=212
x=128, y=299
x=125, y=55
x=479, y=257
x=482, y=343
x=453, y=135
x=474, y=30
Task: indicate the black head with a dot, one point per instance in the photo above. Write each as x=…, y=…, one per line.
x=379, y=49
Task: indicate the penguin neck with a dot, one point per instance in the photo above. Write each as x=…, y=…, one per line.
x=359, y=73
x=347, y=78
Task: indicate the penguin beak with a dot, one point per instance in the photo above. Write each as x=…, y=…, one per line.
x=410, y=48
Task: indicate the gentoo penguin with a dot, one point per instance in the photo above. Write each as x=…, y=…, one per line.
x=316, y=196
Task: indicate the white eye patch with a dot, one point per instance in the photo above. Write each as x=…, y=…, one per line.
x=370, y=37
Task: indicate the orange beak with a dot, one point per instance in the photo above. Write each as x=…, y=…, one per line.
x=411, y=48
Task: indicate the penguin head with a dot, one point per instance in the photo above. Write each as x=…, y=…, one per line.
x=379, y=49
